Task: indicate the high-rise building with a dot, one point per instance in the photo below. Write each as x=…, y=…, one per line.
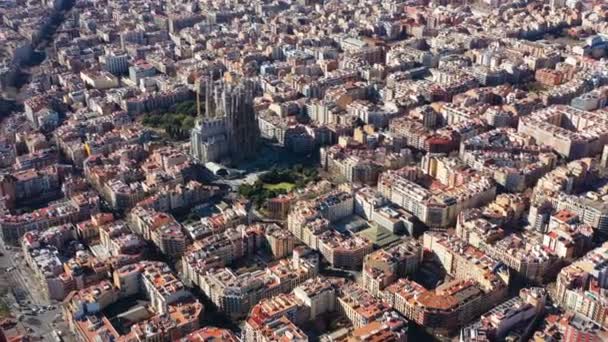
x=116, y=63
x=229, y=127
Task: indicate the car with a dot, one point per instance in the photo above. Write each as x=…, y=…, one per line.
x=9, y=269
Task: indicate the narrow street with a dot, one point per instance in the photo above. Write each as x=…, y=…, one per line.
x=36, y=316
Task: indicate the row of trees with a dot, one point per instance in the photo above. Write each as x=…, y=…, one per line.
x=176, y=122
x=295, y=175
x=298, y=175
x=258, y=194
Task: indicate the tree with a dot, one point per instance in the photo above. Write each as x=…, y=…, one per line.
x=188, y=123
